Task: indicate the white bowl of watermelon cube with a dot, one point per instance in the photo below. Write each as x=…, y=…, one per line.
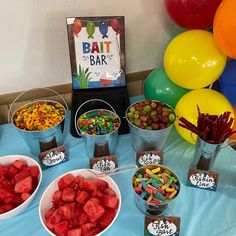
x=20, y=178
x=80, y=204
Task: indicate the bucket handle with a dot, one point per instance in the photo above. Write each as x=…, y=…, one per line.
x=91, y=100
x=21, y=94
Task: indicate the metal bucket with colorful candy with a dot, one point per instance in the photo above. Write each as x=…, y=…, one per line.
x=150, y=123
x=155, y=187
x=39, y=122
x=99, y=129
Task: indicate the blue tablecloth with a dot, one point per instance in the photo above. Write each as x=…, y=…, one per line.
x=203, y=213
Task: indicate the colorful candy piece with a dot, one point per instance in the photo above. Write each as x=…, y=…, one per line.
x=143, y=194
x=149, y=172
x=170, y=190
x=149, y=190
x=159, y=196
x=144, y=184
x=150, y=197
x=176, y=186
x=154, y=171
x=154, y=183
x=164, y=178
x=170, y=180
x=172, y=195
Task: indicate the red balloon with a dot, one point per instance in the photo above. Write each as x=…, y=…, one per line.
x=192, y=14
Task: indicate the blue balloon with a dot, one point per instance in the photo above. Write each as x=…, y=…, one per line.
x=228, y=81
x=103, y=28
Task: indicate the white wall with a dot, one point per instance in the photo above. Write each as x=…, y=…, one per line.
x=33, y=39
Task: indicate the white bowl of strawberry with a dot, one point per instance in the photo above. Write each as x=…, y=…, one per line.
x=80, y=204
x=20, y=178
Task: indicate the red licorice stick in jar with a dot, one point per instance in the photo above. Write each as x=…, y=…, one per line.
x=211, y=128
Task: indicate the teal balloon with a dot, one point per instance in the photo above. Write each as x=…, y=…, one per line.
x=90, y=28
x=157, y=86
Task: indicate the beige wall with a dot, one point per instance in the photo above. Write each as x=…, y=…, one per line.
x=33, y=42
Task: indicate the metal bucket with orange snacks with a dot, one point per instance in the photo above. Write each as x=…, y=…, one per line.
x=40, y=122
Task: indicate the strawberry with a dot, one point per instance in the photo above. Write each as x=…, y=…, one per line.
x=93, y=209
x=109, y=201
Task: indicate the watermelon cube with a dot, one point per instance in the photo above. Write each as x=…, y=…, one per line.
x=24, y=186
x=101, y=184
x=90, y=229
x=82, y=197
x=18, y=164
x=109, y=201
x=109, y=191
x=89, y=186
x=93, y=209
x=107, y=218
x=66, y=181
x=74, y=232
x=68, y=194
x=61, y=228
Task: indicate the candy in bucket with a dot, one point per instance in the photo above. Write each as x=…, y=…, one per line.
x=155, y=187
x=39, y=122
x=99, y=130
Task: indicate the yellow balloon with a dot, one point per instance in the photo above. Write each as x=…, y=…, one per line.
x=192, y=60
x=209, y=101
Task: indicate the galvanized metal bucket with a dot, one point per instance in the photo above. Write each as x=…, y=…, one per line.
x=43, y=140
x=149, y=208
x=98, y=145
x=147, y=140
x=205, y=154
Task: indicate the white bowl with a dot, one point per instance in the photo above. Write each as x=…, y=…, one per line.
x=5, y=160
x=46, y=202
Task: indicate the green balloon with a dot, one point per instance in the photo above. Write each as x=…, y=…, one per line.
x=158, y=86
